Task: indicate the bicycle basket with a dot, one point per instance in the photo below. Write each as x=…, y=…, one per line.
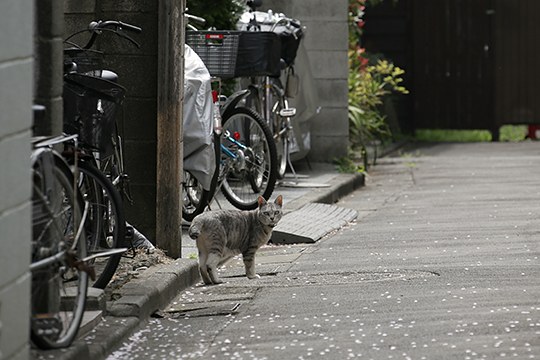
x=258, y=54
x=89, y=62
x=90, y=105
x=217, y=49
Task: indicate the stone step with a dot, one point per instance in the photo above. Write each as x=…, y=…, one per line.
x=310, y=223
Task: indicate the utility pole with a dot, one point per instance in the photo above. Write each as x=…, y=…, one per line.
x=169, y=126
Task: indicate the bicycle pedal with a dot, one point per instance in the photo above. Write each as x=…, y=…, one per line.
x=289, y=112
x=46, y=325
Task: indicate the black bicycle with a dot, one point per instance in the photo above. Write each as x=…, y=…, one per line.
x=92, y=97
x=268, y=94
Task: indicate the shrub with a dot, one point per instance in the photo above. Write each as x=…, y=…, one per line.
x=371, y=80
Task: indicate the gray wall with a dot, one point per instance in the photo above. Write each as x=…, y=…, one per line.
x=137, y=71
x=16, y=79
x=326, y=42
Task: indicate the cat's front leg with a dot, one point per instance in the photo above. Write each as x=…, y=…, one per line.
x=249, y=264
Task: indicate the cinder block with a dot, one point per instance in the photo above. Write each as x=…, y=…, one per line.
x=15, y=95
x=332, y=36
x=327, y=148
x=16, y=230
x=312, y=9
x=331, y=122
x=142, y=6
x=79, y=6
x=15, y=174
x=329, y=64
x=50, y=18
x=14, y=315
x=51, y=60
x=16, y=29
x=142, y=109
x=333, y=92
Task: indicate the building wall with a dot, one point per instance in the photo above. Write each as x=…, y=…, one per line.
x=137, y=72
x=326, y=42
x=16, y=79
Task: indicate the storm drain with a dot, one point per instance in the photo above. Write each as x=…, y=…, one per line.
x=310, y=223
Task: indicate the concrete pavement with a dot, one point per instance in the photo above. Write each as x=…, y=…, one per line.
x=107, y=327
x=443, y=263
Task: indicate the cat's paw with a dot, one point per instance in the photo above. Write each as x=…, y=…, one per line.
x=255, y=276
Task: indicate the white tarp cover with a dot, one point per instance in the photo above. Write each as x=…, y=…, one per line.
x=199, y=157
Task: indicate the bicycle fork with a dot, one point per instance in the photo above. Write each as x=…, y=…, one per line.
x=286, y=113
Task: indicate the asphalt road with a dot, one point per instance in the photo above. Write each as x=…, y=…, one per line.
x=442, y=263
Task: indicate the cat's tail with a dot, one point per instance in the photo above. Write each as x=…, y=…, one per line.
x=194, y=230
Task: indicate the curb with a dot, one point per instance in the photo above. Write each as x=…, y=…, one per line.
x=141, y=297
x=343, y=184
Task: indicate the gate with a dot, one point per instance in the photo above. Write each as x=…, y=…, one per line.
x=469, y=64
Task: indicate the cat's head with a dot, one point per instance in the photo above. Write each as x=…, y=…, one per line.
x=270, y=212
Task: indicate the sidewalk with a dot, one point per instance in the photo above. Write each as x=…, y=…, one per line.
x=159, y=284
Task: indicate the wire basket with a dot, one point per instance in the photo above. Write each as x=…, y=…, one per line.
x=258, y=54
x=217, y=49
x=90, y=105
x=88, y=61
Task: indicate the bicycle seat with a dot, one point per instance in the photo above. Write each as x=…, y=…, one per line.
x=109, y=75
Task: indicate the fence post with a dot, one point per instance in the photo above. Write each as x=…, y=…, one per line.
x=169, y=126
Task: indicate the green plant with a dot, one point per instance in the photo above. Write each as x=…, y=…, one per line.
x=219, y=14
x=346, y=165
x=370, y=81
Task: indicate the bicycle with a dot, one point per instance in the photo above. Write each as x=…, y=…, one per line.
x=60, y=265
x=91, y=98
x=243, y=144
x=268, y=95
x=58, y=248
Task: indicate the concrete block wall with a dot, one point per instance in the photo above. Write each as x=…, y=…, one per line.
x=326, y=42
x=137, y=72
x=16, y=93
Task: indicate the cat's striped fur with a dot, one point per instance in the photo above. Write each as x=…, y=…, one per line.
x=223, y=234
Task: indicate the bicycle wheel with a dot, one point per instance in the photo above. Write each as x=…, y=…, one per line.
x=194, y=197
x=106, y=224
x=281, y=135
x=248, y=159
x=59, y=284
x=276, y=123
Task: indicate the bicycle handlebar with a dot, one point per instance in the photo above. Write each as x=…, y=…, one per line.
x=97, y=27
x=195, y=19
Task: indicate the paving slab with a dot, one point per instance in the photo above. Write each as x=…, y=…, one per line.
x=310, y=223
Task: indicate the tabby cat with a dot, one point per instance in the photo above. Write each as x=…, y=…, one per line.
x=223, y=234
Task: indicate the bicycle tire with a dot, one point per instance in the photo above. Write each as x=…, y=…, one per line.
x=253, y=172
x=106, y=223
x=282, y=140
x=55, y=319
x=275, y=123
x=195, y=198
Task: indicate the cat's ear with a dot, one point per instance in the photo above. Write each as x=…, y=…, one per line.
x=279, y=200
x=261, y=201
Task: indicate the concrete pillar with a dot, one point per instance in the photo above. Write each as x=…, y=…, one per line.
x=16, y=83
